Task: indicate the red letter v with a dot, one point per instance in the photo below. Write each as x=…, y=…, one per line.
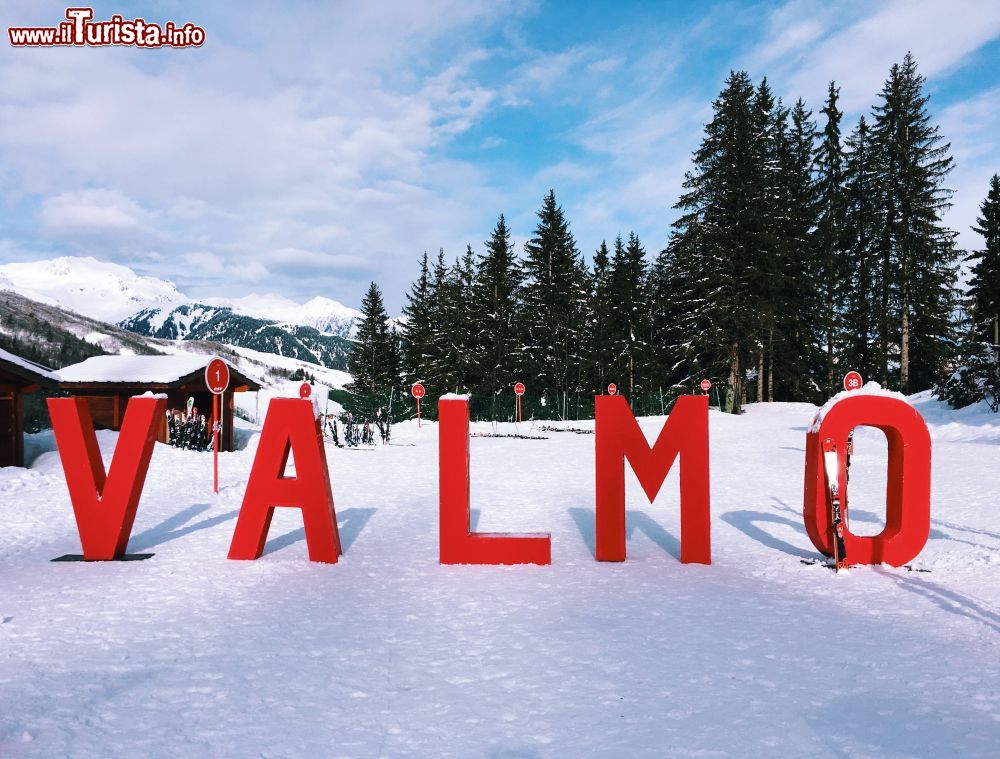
x=105, y=505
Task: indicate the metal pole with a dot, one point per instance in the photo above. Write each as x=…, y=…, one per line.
x=215, y=440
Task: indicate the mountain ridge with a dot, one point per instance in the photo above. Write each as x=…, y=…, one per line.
x=114, y=293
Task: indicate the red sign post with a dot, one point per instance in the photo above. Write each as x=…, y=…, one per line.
x=305, y=390
x=853, y=381
x=612, y=389
x=706, y=385
x=417, y=391
x=217, y=380
x=518, y=391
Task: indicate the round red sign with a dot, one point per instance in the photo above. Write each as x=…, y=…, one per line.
x=852, y=381
x=417, y=390
x=519, y=388
x=217, y=376
x=706, y=385
x=612, y=389
x=305, y=390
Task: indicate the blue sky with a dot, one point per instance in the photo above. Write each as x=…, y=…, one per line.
x=308, y=148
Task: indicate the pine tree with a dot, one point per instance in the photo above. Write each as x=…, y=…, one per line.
x=629, y=311
x=768, y=212
x=453, y=368
x=554, y=303
x=833, y=265
x=417, y=327
x=862, y=224
x=437, y=364
x=464, y=333
x=716, y=242
x=374, y=361
x=801, y=306
x=918, y=252
x=602, y=328
x=976, y=376
x=495, y=293
x=984, y=285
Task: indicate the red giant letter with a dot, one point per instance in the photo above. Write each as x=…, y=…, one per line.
x=618, y=437
x=290, y=426
x=458, y=545
x=105, y=504
x=908, y=481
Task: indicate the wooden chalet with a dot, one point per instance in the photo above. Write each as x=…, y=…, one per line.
x=17, y=377
x=107, y=382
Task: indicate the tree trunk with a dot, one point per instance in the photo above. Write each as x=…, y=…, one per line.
x=732, y=402
x=770, y=366
x=760, y=376
x=904, y=338
x=829, y=339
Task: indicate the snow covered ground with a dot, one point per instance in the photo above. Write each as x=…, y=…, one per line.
x=389, y=654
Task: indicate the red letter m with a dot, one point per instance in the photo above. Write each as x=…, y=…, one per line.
x=618, y=437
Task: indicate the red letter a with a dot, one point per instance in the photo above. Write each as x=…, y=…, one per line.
x=617, y=437
x=105, y=505
x=290, y=427
x=458, y=545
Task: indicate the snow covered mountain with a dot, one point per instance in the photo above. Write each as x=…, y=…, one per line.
x=323, y=314
x=317, y=331
x=222, y=324
x=114, y=293
x=98, y=289
x=56, y=337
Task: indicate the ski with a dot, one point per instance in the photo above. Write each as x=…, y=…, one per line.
x=831, y=465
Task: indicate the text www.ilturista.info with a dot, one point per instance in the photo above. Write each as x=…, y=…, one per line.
x=81, y=30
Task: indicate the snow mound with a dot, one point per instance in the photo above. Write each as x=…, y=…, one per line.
x=870, y=388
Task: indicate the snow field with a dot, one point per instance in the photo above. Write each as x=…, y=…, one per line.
x=388, y=653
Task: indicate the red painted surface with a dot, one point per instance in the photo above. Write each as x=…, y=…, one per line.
x=105, y=504
x=908, y=480
x=217, y=376
x=458, y=544
x=290, y=427
x=618, y=437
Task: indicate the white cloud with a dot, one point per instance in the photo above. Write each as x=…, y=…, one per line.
x=100, y=212
x=805, y=48
x=605, y=65
x=317, y=138
x=270, y=137
x=203, y=262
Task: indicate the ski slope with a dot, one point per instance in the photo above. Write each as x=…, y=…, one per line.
x=388, y=653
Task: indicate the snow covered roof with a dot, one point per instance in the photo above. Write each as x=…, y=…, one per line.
x=29, y=370
x=145, y=370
